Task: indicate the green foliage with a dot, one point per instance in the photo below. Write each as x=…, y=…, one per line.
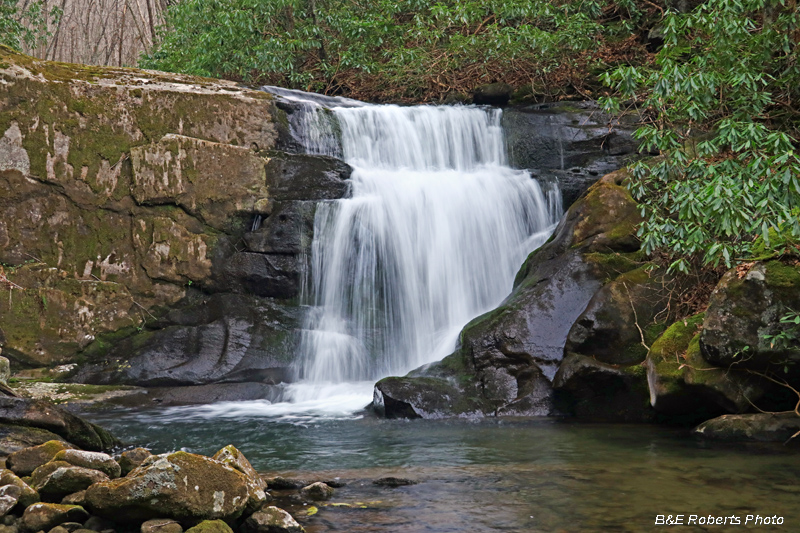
x=27, y=27
x=722, y=102
x=388, y=48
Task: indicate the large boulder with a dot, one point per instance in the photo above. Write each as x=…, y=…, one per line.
x=44, y=415
x=180, y=485
x=507, y=358
x=744, y=314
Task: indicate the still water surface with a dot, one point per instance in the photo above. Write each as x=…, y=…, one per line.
x=511, y=475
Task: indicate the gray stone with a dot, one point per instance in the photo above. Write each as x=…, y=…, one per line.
x=94, y=460
x=317, y=491
x=271, y=520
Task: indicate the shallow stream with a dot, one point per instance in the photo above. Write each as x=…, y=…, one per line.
x=511, y=475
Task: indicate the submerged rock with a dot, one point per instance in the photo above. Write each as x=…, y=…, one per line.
x=180, y=485
x=394, y=482
x=764, y=427
x=317, y=491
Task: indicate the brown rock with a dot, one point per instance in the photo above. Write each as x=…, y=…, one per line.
x=45, y=516
x=161, y=525
x=24, y=462
x=271, y=520
x=133, y=458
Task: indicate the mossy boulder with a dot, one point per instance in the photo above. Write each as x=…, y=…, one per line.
x=597, y=391
x=45, y=516
x=231, y=456
x=744, y=313
x=210, y=526
x=27, y=495
x=762, y=427
x=683, y=384
x=180, y=485
x=25, y=461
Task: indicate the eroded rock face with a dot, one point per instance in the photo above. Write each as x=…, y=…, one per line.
x=745, y=311
x=180, y=485
x=130, y=188
x=507, y=358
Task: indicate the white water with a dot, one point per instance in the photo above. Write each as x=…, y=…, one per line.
x=433, y=234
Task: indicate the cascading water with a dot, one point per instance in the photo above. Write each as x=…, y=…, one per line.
x=435, y=230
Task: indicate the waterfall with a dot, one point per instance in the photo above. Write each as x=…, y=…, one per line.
x=434, y=231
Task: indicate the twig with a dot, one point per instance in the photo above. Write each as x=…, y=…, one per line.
x=636, y=317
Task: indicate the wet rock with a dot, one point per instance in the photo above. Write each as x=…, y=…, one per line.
x=94, y=460
x=27, y=495
x=283, y=483
x=57, y=479
x=287, y=230
x=271, y=520
x=45, y=516
x=292, y=177
x=317, y=491
x=494, y=94
x=682, y=383
x=210, y=526
x=44, y=415
x=566, y=136
x=24, y=462
x=218, y=338
x=762, y=427
x=623, y=311
x=161, y=525
x=180, y=485
x=744, y=311
x=394, y=482
x=232, y=457
x=596, y=391
x=508, y=357
x=269, y=275
x=131, y=459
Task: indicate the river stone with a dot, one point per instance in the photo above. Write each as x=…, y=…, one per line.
x=45, y=415
x=161, y=525
x=588, y=389
x=271, y=520
x=27, y=496
x=7, y=502
x=744, y=310
x=94, y=460
x=210, y=526
x=131, y=459
x=76, y=498
x=179, y=485
x=57, y=479
x=24, y=462
x=317, y=491
x=232, y=457
x=764, y=427
x=284, y=483
x=45, y=516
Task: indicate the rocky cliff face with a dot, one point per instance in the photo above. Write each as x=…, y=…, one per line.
x=142, y=211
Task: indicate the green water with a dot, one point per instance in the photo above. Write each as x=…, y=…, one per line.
x=512, y=475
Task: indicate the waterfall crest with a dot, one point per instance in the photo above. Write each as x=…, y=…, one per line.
x=435, y=230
